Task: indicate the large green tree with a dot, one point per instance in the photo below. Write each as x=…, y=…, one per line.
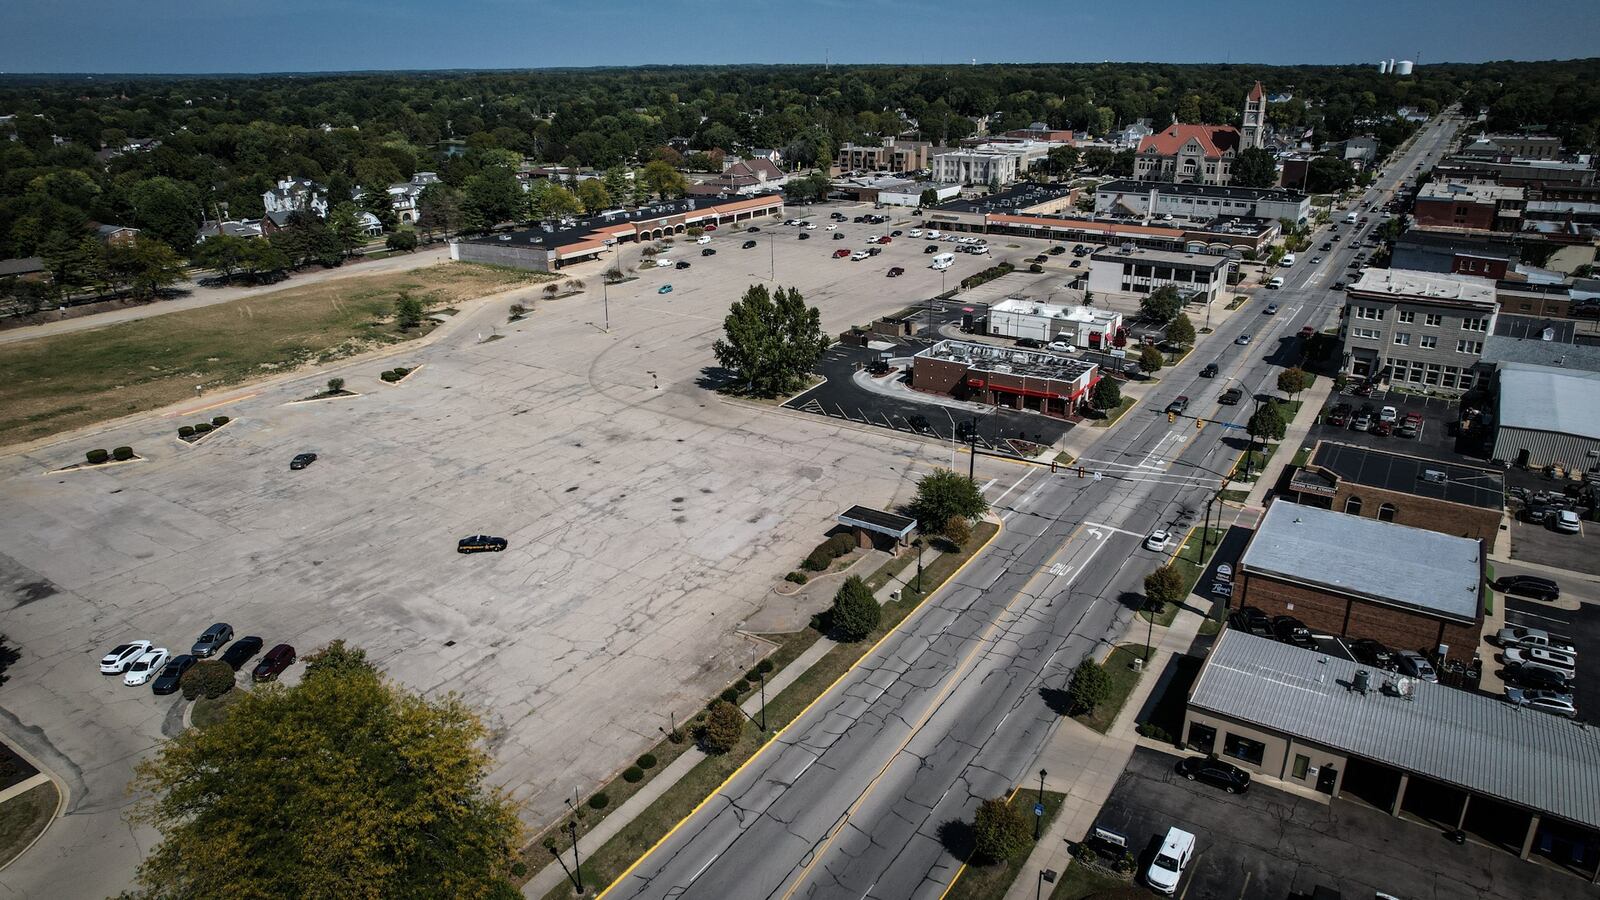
x=343, y=786
x=1267, y=422
x=999, y=831
x=854, y=612
x=1161, y=304
x=1255, y=168
x=167, y=209
x=144, y=266
x=942, y=494
x=771, y=340
x=663, y=180
x=1325, y=174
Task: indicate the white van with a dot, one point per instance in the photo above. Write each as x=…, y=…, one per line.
x=663, y=263
x=943, y=261
x=932, y=234
x=1287, y=261
x=703, y=239
x=1166, y=870
x=1350, y=218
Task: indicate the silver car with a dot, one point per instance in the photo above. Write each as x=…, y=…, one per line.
x=1553, y=702
x=212, y=640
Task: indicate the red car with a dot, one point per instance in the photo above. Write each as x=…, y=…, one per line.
x=710, y=228
x=886, y=240
x=272, y=665
x=841, y=254
x=1382, y=428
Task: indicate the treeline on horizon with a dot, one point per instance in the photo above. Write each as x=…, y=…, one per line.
x=226, y=139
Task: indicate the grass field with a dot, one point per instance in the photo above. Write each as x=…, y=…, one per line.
x=24, y=816
x=209, y=712
x=1118, y=665
x=992, y=881
x=1082, y=883
x=1112, y=415
x=58, y=383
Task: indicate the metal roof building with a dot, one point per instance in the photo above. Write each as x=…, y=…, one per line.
x=1475, y=745
x=1548, y=415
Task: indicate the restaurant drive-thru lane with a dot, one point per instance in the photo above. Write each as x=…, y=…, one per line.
x=865, y=793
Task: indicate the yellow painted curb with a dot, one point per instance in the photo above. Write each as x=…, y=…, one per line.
x=999, y=527
x=962, y=870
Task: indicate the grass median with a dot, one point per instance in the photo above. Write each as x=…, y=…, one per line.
x=24, y=816
x=1190, y=563
x=66, y=381
x=1119, y=667
x=1109, y=417
x=606, y=863
x=990, y=882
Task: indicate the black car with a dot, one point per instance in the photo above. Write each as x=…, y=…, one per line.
x=751, y=230
x=1211, y=770
x=682, y=264
x=301, y=461
x=1178, y=405
x=1057, y=251
x=1369, y=652
x=480, y=543
x=749, y=244
x=859, y=219
x=1251, y=621
x=1291, y=631
x=1528, y=586
x=931, y=248
x=919, y=423
x=1231, y=397
x=240, y=651
x=1538, y=678
x=1210, y=371
x=167, y=682
x=895, y=233
x=708, y=252
x=838, y=236
x=805, y=236
x=1029, y=343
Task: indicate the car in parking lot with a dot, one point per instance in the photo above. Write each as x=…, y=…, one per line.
x=1242, y=339
x=1388, y=414
x=301, y=460
x=1030, y=343
x=1075, y=263
x=874, y=251
x=1214, y=771
x=1178, y=405
x=664, y=289
x=1158, y=541
x=1532, y=586
x=146, y=666
x=1291, y=630
x=1519, y=636
x=1564, y=663
x=931, y=248
x=1410, y=426
x=211, y=639
x=1382, y=428
x=682, y=264
x=1539, y=678
x=1057, y=251
x=1567, y=521
x=481, y=543
x=838, y=236
x=240, y=651
x=1339, y=416
x=895, y=271
x=841, y=253
x=752, y=229
x=748, y=244
x=1166, y=870
x=272, y=665
x=1369, y=652
x=1230, y=397
x=1414, y=664
x=804, y=237
x=1362, y=421
x=708, y=252
x=703, y=239
x=1271, y=310
x=1553, y=702
x=1251, y=620
x=122, y=656
x=171, y=675
x=1210, y=371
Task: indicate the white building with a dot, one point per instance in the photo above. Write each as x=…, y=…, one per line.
x=296, y=195
x=1202, y=202
x=1421, y=329
x=1080, y=326
x=403, y=197
x=911, y=193
x=1199, y=277
x=1002, y=161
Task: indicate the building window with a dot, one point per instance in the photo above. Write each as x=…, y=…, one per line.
x=1469, y=346
x=1352, y=506
x=1386, y=512
x=1244, y=749
x=1432, y=320
x=1406, y=316
x=1429, y=341
x=1474, y=324
x=1374, y=313
x=1302, y=764
x=1370, y=334
x=1402, y=339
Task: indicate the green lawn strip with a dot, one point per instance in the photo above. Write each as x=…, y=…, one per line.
x=1231, y=496
x=24, y=816
x=1079, y=882
x=1118, y=665
x=610, y=860
x=1185, y=563
x=977, y=882
x=1064, y=458
x=209, y=712
x=1300, y=457
x=1238, y=301
x=1257, y=459
x=1112, y=415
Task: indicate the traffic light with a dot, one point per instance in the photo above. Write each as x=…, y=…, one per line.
x=1171, y=417
x=1052, y=466
x=1080, y=471
x=1199, y=424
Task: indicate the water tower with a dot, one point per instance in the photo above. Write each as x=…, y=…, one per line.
x=1383, y=67
x=1403, y=67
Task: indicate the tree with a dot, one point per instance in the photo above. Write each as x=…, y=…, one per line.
x=1180, y=331
x=1325, y=175
x=408, y=312
x=1164, y=585
x=1098, y=159
x=617, y=186
x=1090, y=687
x=771, y=340
x=958, y=530
x=493, y=196
x=999, y=831
x=1293, y=381
x=438, y=208
x=344, y=784
x=930, y=197
x=942, y=494
x=337, y=658
x=375, y=199
x=1255, y=168
x=1267, y=422
x=592, y=193
x=855, y=613
x=663, y=180
x=261, y=256
x=344, y=221
x=1062, y=160
x=223, y=253
x=1151, y=359
x=145, y=265
x=166, y=209
x=1161, y=304
x=1107, y=394
x=554, y=201
x=994, y=185
x=401, y=241
x=723, y=728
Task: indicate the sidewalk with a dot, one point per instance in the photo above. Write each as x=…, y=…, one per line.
x=1294, y=437
x=1085, y=766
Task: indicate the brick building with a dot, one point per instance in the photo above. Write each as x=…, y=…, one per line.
x=1465, y=501
x=1474, y=206
x=1049, y=383
x=1355, y=577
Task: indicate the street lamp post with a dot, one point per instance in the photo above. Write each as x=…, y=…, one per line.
x=1038, y=817
x=577, y=862
x=763, y=701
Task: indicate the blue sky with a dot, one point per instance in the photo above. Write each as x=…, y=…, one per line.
x=335, y=35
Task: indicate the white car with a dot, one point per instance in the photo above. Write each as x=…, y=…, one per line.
x=1388, y=414
x=146, y=666
x=1061, y=346
x=703, y=239
x=122, y=656
x=1564, y=663
x=1166, y=870
x=831, y=227
x=1158, y=541
x=809, y=227
x=933, y=234
x=873, y=238
x=1567, y=520
x=859, y=255
x=791, y=222
x=915, y=232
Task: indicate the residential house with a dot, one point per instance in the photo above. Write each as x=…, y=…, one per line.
x=115, y=234
x=240, y=228
x=404, y=197
x=294, y=194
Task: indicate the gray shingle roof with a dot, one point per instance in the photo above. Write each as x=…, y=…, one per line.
x=1543, y=398
x=1380, y=561
x=1486, y=745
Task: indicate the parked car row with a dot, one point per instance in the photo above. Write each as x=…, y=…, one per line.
x=140, y=661
x=1382, y=422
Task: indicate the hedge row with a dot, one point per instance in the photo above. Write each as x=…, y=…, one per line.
x=120, y=454
x=829, y=550
x=987, y=275
x=395, y=374
x=185, y=431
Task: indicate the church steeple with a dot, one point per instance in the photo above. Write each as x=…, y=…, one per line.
x=1254, y=131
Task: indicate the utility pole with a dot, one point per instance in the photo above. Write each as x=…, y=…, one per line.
x=763, y=701
x=972, y=451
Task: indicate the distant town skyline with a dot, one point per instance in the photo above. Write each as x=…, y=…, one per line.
x=232, y=36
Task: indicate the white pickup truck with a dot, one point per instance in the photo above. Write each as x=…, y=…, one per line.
x=1517, y=636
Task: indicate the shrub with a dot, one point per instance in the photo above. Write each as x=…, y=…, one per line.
x=647, y=761
x=729, y=695
x=841, y=543
x=1090, y=686
x=219, y=421
x=202, y=428
x=401, y=371
x=335, y=385
x=796, y=577
x=633, y=774
x=1155, y=732
x=209, y=678
x=817, y=560
x=855, y=612
x=185, y=431
x=722, y=729
x=942, y=494
x=389, y=377
x=958, y=530
x=97, y=456
x=122, y=453
x=517, y=309
x=519, y=869
x=765, y=666
x=999, y=831
x=742, y=686
x=598, y=800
